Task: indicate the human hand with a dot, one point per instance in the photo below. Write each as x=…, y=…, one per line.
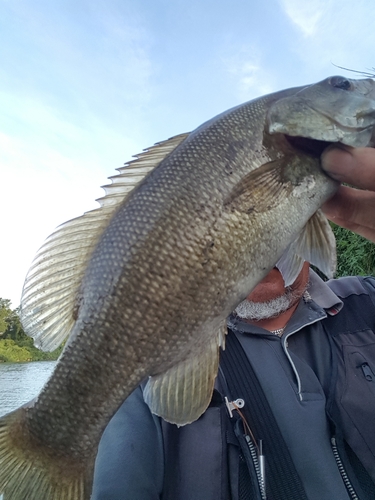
x=352, y=208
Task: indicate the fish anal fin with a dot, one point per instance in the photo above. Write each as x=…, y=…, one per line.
x=315, y=244
x=260, y=190
x=181, y=394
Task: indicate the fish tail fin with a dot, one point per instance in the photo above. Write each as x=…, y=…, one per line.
x=29, y=470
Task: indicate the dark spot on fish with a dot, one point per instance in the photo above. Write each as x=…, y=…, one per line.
x=206, y=252
x=77, y=306
x=233, y=149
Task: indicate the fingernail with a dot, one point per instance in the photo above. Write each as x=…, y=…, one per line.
x=337, y=161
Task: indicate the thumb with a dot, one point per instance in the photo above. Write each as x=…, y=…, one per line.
x=354, y=166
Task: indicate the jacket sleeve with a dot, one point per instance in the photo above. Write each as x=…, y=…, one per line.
x=130, y=460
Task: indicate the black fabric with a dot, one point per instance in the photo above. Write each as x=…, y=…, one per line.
x=363, y=477
x=351, y=399
x=248, y=485
x=283, y=481
x=245, y=485
x=195, y=457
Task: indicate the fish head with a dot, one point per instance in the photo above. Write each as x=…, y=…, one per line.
x=301, y=125
x=335, y=110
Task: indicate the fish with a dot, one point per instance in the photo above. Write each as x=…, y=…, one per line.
x=141, y=287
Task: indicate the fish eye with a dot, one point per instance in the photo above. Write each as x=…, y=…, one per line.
x=340, y=82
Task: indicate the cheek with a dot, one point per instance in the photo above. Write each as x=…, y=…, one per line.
x=302, y=280
x=267, y=291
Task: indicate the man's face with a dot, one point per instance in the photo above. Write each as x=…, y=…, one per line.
x=273, y=286
x=270, y=297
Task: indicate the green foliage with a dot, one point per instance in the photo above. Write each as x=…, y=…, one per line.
x=355, y=254
x=5, y=311
x=15, y=345
x=11, y=352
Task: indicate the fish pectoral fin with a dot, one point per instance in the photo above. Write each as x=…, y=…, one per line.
x=181, y=394
x=315, y=244
x=260, y=190
x=290, y=265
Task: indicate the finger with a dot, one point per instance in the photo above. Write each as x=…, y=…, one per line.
x=353, y=209
x=354, y=166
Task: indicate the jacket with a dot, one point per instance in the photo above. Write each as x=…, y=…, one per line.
x=317, y=379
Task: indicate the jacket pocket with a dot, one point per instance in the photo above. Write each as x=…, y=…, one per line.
x=356, y=384
x=355, y=401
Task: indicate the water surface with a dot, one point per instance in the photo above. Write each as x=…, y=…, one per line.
x=20, y=382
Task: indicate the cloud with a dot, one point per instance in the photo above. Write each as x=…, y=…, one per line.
x=246, y=70
x=332, y=32
x=75, y=84
x=87, y=58
x=51, y=171
x=305, y=15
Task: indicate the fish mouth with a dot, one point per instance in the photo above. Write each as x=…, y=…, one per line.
x=312, y=147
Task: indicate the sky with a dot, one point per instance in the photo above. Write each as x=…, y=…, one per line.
x=87, y=84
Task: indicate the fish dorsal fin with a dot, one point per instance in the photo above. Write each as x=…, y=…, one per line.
x=315, y=244
x=55, y=275
x=181, y=394
x=133, y=172
x=260, y=190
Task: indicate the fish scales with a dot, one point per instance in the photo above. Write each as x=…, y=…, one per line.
x=167, y=266
x=120, y=251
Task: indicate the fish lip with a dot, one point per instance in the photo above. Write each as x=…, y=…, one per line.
x=312, y=147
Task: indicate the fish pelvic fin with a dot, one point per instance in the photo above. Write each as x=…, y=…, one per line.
x=51, y=286
x=315, y=244
x=29, y=470
x=181, y=394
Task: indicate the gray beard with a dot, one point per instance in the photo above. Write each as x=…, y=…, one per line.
x=264, y=310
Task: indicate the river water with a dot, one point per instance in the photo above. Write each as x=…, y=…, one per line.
x=20, y=382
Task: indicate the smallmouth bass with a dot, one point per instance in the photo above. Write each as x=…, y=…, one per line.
x=143, y=285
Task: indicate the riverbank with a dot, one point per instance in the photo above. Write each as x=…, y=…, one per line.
x=23, y=351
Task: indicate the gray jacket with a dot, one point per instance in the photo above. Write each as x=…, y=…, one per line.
x=141, y=457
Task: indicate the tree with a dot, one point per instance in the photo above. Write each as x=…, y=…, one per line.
x=10, y=323
x=15, y=345
x=5, y=312
x=14, y=330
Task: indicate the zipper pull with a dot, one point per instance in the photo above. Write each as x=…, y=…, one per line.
x=367, y=372
x=234, y=405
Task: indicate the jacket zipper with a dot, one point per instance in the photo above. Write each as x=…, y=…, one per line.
x=344, y=475
x=256, y=459
x=258, y=472
x=285, y=345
